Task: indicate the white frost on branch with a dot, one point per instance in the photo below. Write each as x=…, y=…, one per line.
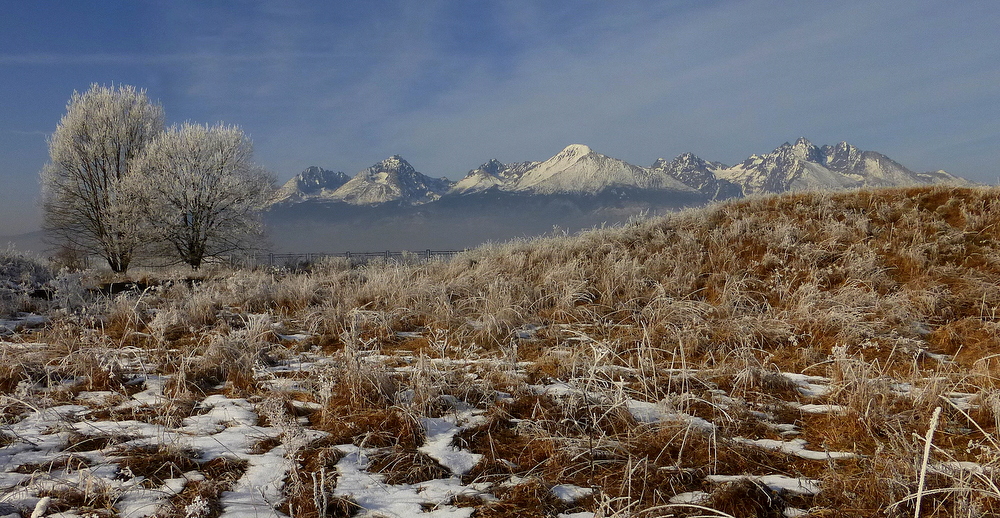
x=94, y=146
x=199, y=191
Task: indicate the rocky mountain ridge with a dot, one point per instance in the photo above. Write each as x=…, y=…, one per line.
x=314, y=182
x=579, y=170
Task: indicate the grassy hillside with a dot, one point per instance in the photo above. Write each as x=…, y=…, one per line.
x=827, y=354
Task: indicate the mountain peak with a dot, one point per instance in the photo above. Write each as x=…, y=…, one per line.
x=493, y=167
x=393, y=162
x=578, y=169
x=313, y=182
x=392, y=179
x=803, y=166
x=802, y=149
x=694, y=172
x=688, y=157
x=492, y=174
x=576, y=150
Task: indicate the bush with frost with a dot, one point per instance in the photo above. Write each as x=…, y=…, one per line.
x=19, y=276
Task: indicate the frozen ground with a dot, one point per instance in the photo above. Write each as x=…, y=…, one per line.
x=70, y=452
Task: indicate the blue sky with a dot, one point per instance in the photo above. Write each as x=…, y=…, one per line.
x=451, y=84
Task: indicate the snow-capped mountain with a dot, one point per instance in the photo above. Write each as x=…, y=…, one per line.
x=392, y=179
x=804, y=166
x=390, y=205
x=578, y=169
x=492, y=174
x=698, y=174
x=314, y=182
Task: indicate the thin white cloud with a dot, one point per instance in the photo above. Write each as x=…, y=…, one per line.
x=140, y=59
x=730, y=81
x=633, y=79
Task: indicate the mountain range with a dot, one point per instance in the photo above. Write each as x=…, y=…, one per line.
x=392, y=205
x=578, y=169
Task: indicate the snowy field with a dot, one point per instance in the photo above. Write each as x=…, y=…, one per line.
x=773, y=357
x=71, y=451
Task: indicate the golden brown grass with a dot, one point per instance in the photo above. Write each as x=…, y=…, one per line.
x=890, y=295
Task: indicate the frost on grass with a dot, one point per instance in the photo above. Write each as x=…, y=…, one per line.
x=763, y=357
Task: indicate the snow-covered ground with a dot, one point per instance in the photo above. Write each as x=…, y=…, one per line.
x=56, y=447
x=144, y=447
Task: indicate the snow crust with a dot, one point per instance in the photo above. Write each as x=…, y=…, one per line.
x=440, y=434
x=795, y=447
x=792, y=485
x=377, y=498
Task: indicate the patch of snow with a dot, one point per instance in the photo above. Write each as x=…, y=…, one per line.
x=152, y=396
x=259, y=490
x=569, y=493
x=139, y=502
x=306, y=405
x=440, y=433
x=690, y=497
x=795, y=447
x=23, y=321
x=962, y=400
x=818, y=409
x=809, y=386
x=650, y=413
x=528, y=331
x=370, y=491
x=795, y=486
x=784, y=429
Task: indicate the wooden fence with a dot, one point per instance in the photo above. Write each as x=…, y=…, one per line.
x=292, y=261
x=296, y=261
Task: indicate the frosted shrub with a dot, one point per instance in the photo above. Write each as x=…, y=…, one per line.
x=168, y=323
x=69, y=292
x=331, y=264
x=17, y=269
x=252, y=290
x=19, y=275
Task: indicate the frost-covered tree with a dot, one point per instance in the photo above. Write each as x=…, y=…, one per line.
x=200, y=192
x=94, y=146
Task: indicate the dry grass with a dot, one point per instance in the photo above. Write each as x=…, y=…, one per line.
x=890, y=296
